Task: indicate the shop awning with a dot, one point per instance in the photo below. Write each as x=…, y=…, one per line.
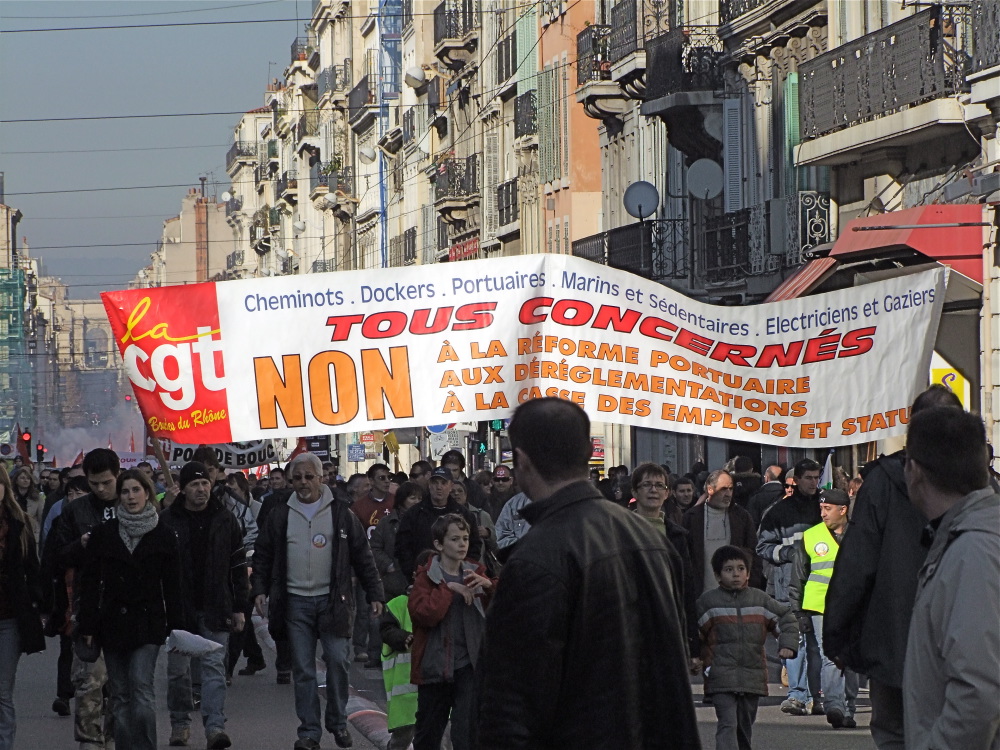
x=951, y=234
x=804, y=280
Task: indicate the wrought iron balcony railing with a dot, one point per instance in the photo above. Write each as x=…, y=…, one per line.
x=683, y=59
x=407, y=13
x=233, y=205
x=729, y=10
x=904, y=64
x=288, y=182
x=655, y=249
x=507, y=203
x=319, y=175
x=261, y=173
x=525, y=114
x=728, y=246
x=342, y=180
x=234, y=260
x=633, y=22
x=410, y=246
x=301, y=48
x=456, y=178
x=506, y=58
x=986, y=34
x=361, y=97
x=334, y=78
x=323, y=266
x=246, y=150
x=592, y=49
x=453, y=19
x=308, y=125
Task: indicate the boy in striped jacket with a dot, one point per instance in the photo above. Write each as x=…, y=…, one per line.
x=734, y=621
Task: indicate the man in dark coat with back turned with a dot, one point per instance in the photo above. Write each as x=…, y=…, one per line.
x=583, y=636
x=870, y=599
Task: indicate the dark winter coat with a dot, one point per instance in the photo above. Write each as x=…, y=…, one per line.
x=21, y=581
x=350, y=555
x=583, y=636
x=742, y=533
x=768, y=494
x=132, y=599
x=874, y=584
x=414, y=534
x=383, y=544
x=745, y=484
x=225, y=584
x=79, y=517
x=780, y=528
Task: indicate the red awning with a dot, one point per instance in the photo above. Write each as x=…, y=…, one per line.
x=955, y=237
x=804, y=280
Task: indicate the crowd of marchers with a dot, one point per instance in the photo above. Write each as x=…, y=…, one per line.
x=534, y=605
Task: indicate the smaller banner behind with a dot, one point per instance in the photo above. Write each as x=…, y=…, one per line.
x=460, y=342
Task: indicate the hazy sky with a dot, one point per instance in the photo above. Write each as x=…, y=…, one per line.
x=113, y=72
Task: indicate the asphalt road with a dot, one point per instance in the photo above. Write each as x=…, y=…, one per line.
x=261, y=714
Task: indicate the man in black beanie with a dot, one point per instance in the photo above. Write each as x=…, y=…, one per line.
x=216, y=590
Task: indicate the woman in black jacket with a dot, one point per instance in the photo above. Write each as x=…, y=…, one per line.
x=130, y=599
x=20, y=624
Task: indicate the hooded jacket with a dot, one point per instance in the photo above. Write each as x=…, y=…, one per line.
x=871, y=594
x=350, y=555
x=952, y=673
x=584, y=636
x=780, y=528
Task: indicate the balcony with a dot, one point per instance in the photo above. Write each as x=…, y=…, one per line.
x=319, y=178
x=633, y=23
x=986, y=35
x=324, y=266
x=334, y=80
x=302, y=49
x=727, y=252
x=288, y=186
x=233, y=206
x=508, y=208
x=308, y=125
x=730, y=10
x=260, y=234
x=234, y=260
x=361, y=110
x=682, y=85
x=406, y=12
x=456, y=188
x=655, y=249
x=272, y=150
x=507, y=66
x=456, y=32
x=403, y=249
x=526, y=115
x=601, y=97
x=241, y=152
x=261, y=174
x=340, y=198
x=872, y=99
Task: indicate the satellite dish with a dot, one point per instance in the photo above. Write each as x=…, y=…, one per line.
x=704, y=179
x=415, y=77
x=641, y=199
x=227, y=196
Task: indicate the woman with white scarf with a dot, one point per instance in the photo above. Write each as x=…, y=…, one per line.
x=130, y=600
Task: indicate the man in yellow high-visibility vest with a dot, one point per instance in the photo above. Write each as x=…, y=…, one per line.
x=813, y=558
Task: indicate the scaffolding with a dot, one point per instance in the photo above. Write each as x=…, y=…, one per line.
x=16, y=384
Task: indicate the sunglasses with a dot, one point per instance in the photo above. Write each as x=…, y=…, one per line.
x=502, y=479
x=789, y=486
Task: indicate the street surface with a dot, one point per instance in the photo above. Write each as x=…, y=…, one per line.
x=261, y=714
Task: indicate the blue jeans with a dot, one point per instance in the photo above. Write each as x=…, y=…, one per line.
x=803, y=671
x=10, y=652
x=831, y=678
x=213, y=684
x=133, y=703
x=302, y=618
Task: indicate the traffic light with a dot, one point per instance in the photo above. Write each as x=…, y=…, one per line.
x=496, y=425
x=26, y=437
x=128, y=396
x=40, y=452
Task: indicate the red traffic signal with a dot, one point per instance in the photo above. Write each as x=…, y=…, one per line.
x=40, y=448
x=26, y=436
x=128, y=396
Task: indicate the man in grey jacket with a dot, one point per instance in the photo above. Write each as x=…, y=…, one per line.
x=306, y=552
x=951, y=676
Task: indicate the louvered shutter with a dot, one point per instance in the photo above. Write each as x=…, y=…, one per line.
x=489, y=187
x=732, y=153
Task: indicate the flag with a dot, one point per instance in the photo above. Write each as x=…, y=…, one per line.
x=300, y=447
x=826, y=478
x=131, y=442
x=23, y=449
x=78, y=460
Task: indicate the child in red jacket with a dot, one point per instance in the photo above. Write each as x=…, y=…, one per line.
x=448, y=609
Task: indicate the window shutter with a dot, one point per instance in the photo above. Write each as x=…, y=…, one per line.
x=489, y=187
x=545, y=161
x=791, y=131
x=732, y=153
x=564, y=78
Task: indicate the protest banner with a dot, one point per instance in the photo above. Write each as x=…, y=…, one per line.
x=371, y=350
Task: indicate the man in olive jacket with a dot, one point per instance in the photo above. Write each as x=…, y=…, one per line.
x=583, y=635
x=306, y=552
